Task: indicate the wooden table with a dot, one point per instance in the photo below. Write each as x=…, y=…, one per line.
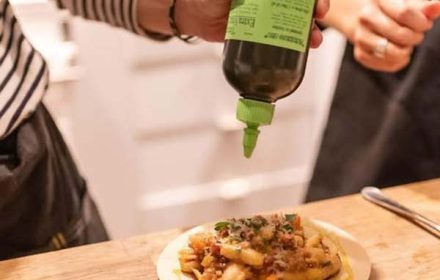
x=398, y=249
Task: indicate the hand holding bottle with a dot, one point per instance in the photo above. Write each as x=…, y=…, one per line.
x=206, y=19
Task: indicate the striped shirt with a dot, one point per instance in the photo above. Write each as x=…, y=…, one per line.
x=24, y=75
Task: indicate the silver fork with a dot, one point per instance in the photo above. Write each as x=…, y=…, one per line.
x=376, y=196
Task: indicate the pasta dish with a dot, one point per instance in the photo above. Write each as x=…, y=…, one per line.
x=276, y=247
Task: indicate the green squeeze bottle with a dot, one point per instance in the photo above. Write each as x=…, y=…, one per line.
x=265, y=57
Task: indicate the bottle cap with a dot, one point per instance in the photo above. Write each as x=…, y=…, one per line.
x=254, y=114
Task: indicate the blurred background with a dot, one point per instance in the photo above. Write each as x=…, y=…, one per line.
x=152, y=125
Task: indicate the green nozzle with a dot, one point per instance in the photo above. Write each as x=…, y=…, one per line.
x=254, y=114
x=250, y=140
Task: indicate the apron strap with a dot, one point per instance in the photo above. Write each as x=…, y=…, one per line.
x=76, y=228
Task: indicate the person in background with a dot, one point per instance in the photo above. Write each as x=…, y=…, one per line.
x=384, y=123
x=44, y=203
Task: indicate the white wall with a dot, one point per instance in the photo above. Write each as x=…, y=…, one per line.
x=171, y=154
x=152, y=126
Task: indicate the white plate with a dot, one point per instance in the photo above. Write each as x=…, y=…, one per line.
x=168, y=264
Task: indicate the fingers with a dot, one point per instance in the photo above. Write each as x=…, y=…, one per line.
x=322, y=8
x=431, y=10
x=395, y=57
x=316, y=37
x=378, y=64
x=368, y=41
x=373, y=18
x=406, y=13
x=401, y=22
x=368, y=60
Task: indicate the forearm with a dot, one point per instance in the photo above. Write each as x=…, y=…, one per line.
x=343, y=14
x=153, y=15
x=118, y=13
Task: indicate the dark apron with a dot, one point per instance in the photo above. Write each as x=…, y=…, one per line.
x=383, y=129
x=44, y=203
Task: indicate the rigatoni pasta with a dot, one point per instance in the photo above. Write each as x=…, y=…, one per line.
x=261, y=248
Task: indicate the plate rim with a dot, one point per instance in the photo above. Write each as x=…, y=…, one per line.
x=322, y=225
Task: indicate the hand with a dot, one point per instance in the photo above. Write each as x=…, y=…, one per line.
x=402, y=22
x=206, y=19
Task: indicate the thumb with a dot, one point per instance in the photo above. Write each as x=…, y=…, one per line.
x=431, y=9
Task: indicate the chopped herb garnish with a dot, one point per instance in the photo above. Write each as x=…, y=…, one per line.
x=257, y=222
x=235, y=227
x=288, y=227
x=222, y=226
x=256, y=225
x=248, y=222
x=290, y=217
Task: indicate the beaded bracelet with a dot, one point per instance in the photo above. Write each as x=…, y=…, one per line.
x=173, y=24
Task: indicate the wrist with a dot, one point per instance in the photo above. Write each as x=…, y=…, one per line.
x=184, y=18
x=344, y=16
x=345, y=25
x=348, y=27
x=153, y=16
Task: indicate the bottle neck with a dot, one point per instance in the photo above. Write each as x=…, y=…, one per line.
x=261, y=98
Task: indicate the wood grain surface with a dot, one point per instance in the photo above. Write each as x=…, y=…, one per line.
x=398, y=249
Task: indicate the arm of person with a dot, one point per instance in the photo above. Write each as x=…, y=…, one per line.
x=205, y=19
x=343, y=15
x=366, y=23
x=121, y=13
x=25, y=73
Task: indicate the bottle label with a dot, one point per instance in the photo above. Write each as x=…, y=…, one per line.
x=280, y=23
